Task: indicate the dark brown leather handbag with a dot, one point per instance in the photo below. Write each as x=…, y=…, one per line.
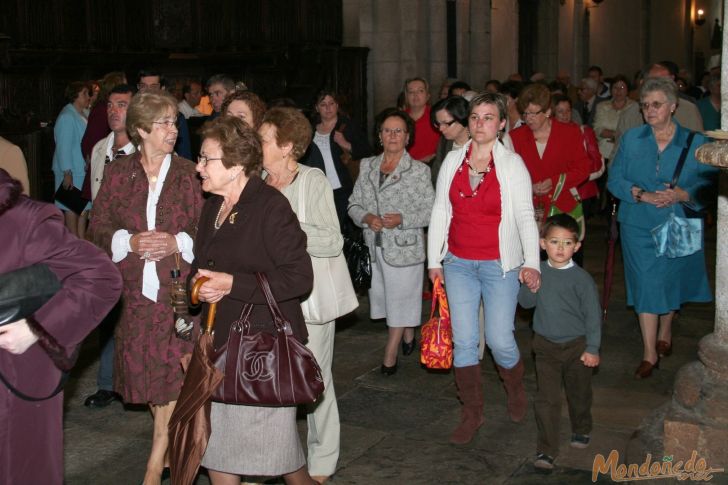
x=264, y=369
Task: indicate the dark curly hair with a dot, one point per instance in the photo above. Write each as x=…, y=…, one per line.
x=257, y=106
x=239, y=142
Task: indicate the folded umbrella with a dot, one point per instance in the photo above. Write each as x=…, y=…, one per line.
x=189, y=426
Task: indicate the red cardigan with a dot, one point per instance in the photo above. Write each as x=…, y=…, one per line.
x=564, y=154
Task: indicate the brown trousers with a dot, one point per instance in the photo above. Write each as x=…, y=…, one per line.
x=557, y=365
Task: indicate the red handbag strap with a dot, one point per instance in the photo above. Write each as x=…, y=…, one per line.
x=280, y=322
x=439, y=299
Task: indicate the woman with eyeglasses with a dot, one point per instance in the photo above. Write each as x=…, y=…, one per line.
x=391, y=201
x=450, y=117
x=640, y=178
x=145, y=216
x=553, y=152
x=482, y=241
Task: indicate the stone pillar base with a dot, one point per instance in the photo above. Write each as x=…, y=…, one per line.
x=697, y=419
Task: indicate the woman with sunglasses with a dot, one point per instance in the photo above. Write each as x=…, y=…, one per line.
x=483, y=240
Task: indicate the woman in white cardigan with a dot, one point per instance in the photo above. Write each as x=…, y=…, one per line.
x=285, y=135
x=483, y=240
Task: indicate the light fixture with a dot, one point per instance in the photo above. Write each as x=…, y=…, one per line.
x=700, y=18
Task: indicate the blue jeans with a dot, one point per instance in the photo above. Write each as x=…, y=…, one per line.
x=467, y=282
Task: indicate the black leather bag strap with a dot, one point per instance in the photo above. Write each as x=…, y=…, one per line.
x=25, y=397
x=681, y=160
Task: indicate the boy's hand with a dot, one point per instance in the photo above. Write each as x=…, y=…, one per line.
x=590, y=360
x=531, y=278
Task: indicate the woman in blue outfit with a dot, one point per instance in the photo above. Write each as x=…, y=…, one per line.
x=69, y=166
x=640, y=177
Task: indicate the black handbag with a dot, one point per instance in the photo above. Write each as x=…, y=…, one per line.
x=25, y=290
x=264, y=369
x=22, y=293
x=72, y=198
x=358, y=261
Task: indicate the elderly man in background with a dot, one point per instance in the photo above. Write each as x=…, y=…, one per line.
x=153, y=79
x=686, y=113
x=588, y=100
x=192, y=93
x=116, y=144
x=218, y=88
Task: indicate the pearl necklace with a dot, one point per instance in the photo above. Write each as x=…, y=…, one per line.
x=218, y=223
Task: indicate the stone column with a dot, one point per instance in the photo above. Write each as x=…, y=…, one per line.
x=698, y=416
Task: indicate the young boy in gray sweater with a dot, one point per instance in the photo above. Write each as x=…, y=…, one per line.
x=567, y=333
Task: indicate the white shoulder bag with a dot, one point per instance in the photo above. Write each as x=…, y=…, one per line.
x=333, y=293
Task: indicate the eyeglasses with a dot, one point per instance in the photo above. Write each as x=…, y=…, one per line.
x=202, y=160
x=392, y=131
x=168, y=123
x=446, y=124
x=564, y=243
x=526, y=114
x=143, y=86
x=485, y=118
x=653, y=105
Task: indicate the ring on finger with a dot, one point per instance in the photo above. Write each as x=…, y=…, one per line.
x=146, y=255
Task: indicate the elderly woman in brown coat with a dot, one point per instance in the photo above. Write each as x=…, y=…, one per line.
x=248, y=227
x=145, y=216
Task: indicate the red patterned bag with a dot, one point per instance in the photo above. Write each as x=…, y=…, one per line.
x=436, y=350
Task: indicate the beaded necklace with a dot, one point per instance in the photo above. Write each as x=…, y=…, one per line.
x=473, y=171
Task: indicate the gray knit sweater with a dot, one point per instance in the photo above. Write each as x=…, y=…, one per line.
x=567, y=306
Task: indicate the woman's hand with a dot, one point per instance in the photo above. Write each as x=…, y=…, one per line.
x=543, y=187
x=153, y=245
x=341, y=140
x=67, y=180
x=668, y=197
x=219, y=285
x=435, y=273
x=531, y=278
x=392, y=220
x=375, y=223
x=17, y=337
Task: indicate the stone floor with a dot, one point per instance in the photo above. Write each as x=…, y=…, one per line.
x=394, y=429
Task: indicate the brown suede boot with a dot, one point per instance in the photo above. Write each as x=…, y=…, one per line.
x=470, y=392
x=516, y=393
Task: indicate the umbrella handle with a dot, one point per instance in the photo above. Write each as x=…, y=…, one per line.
x=194, y=298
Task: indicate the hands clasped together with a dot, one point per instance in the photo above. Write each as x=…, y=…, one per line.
x=153, y=245
x=387, y=221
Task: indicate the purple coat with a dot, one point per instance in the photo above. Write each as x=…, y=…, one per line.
x=31, y=433
x=147, y=352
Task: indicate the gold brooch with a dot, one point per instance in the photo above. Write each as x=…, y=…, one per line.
x=232, y=217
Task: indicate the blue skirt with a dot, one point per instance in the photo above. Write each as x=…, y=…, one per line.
x=660, y=284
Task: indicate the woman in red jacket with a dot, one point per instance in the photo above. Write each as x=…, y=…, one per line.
x=553, y=152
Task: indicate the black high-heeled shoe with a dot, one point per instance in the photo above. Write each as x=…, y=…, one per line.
x=388, y=371
x=409, y=347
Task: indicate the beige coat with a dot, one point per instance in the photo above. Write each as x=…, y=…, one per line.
x=13, y=161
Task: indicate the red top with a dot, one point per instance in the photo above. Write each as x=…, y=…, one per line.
x=473, y=230
x=564, y=154
x=426, y=137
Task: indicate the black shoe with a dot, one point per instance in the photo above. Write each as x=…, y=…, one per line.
x=409, y=347
x=101, y=399
x=388, y=371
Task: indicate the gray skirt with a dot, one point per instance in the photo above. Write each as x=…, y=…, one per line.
x=396, y=292
x=252, y=440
